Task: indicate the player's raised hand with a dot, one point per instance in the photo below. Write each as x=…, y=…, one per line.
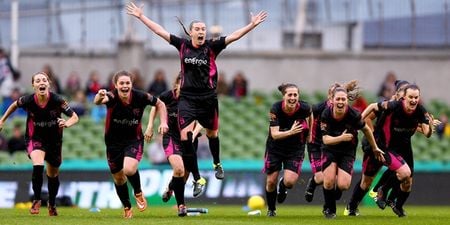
x=134, y=10
x=258, y=18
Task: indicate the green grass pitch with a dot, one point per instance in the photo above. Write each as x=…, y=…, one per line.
x=299, y=214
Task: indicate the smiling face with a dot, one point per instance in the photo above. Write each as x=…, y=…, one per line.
x=412, y=98
x=198, y=33
x=340, y=102
x=291, y=97
x=123, y=85
x=41, y=84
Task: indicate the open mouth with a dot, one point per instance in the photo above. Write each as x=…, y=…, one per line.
x=42, y=88
x=200, y=38
x=340, y=106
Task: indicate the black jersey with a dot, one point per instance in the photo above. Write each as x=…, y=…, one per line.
x=42, y=121
x=317, y=110
x=285, y=121
x=169, y=98
x=400, y=125
x=351, y=122
x=198, y=65
x=123, y=121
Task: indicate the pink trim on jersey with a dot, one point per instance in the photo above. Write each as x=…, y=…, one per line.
x=334, y=116
x=108, y=120
x=182, y=65
x=43, y=105
x=283, y=107
x=30, y=128
x=212, y=68
x=266, y=162
x=387, y=129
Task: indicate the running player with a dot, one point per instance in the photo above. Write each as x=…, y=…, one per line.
x=44, y=135
x=198, y=96
x=290, y=121
x=339, y=126
x=371, y=166
x=123, y=135
x=315, y=142
x=174, y=152
x=405, y=116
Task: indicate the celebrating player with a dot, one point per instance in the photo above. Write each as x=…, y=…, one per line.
x=198, y=97
x=290, y=121
x=123, y=135
x=44, y=134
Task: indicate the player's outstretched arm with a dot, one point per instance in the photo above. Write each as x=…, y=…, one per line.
x=137, y=12
x=8, y=112
x=255, y=21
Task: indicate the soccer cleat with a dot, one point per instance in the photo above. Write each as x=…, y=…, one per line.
x=309, y=192
x=282, y=192
x=182, y=210
x=52, y=210
x=373, y=195
x=199, y=187
x=141, y=202
x=220, y=174
x=328, y=214
x=380, y=199
x=400, y=212
x=351, y=212
x=271, y=213
x=127, y=213
x=167, y=194
x=35, y=206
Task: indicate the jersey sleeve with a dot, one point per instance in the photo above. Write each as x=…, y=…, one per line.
x=273, y=116
x=324, y=122
x=23, y=101
x=65, y=108
x=358, y=123
x=176, y=41
x=165, y=96
x=218, y=45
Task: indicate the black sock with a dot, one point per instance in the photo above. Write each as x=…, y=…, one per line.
x=171, y=185
x=330, y=199
x=337, y=193
x=394, y=191
x=36, y=181
x=383, y=179
x=135, y=181
x=122, y=192
x=53, y=186
x=178, y=189
x=313, y=182
x=271, y=198
x=401, y=199
x=281, y=185
x=191, y=164
x=214, y=147
x=357, y=196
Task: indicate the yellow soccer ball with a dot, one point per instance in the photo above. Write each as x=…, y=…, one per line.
x=256, y=202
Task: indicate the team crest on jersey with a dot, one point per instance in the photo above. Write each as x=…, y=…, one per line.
x=54, y=113
x=136, y=112
x=323, y=126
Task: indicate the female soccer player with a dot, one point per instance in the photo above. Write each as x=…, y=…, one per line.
x=44, y=134
x=315, y=142
x=290, y=121
x=339, y=126
x=371, y=166
x=174, y=152
x=123, y=135
x=405, y=117
x=198, y=96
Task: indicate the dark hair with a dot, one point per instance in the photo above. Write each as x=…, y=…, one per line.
x=351, y=88
x=43, y=73
x=340, y=89
x=190, y=25
x=399, y=83
x=412, y=87
x=120, y=74
x=282, y=88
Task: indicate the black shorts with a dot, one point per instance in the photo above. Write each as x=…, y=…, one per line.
x=292, y=160
x=52, y=151
x=343, y=161
x=116, y=153
x=371, y=165
x=315, y=157
x=203, y=109
x=171, y=145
